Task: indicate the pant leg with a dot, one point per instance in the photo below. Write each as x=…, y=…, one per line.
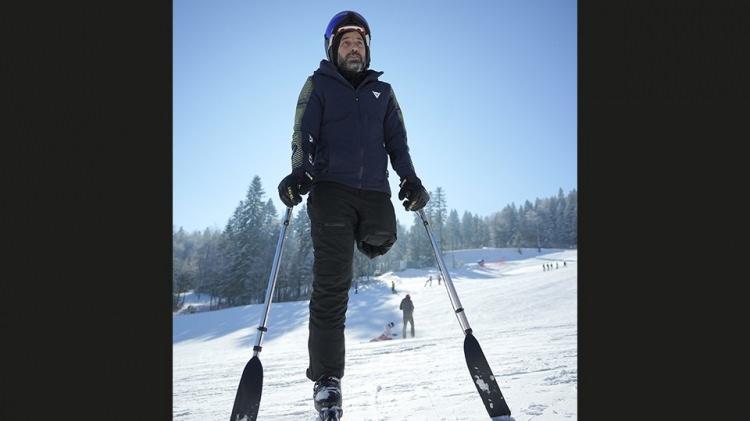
x=332, y=223
x=408, y=318
x=376, y=232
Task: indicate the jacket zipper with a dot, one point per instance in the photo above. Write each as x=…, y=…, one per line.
x=361, y=147
x=359, y=119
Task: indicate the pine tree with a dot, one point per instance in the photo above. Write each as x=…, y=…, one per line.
x=268, y=237
x=528, y=225
x=260, y=235
x=250, y=241
x=481, y=232
x=207, y=261
x=546, y=217
x=503, y=226
x=184, y=280
x=532, y=236
x=396, y=258
x=438, y=215
x=231, y=285
x=467, y=230
x=452, y=232
x=185, y=268
x=560, y=220
x=176, y=250
x=298, y=261
x=209, y=264
x=570, y=221
x=419, y=249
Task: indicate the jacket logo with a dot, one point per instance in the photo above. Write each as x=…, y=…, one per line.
x=377, y=94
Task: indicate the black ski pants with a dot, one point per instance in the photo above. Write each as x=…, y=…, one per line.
x=339, y=217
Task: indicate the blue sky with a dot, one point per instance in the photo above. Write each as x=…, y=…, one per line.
x=487, y=90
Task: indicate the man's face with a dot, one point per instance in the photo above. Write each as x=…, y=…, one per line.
x=352, y=52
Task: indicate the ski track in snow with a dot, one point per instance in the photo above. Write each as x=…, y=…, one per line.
x=523, y=317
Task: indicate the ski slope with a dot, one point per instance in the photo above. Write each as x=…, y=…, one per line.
x=523, y=317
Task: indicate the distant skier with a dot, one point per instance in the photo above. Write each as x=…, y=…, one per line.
x=408, y=308
x=544, y=268
x=565, y=264
x=557, y=265
x=428, y=281
x=439, y=278
x=386, y=335
x=393, y=287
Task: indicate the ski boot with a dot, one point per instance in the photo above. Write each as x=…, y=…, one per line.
x=327, y=398
x=330, y=414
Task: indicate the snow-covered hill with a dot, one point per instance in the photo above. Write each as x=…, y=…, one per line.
x=523, y=317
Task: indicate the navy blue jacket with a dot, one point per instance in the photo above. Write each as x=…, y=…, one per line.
x=346, y=135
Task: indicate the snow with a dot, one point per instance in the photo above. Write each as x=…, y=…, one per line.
x=482, y=385
x=524, y=318
x=323, y=394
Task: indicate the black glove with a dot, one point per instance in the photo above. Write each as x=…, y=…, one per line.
x=415, y=194
x=293, y=186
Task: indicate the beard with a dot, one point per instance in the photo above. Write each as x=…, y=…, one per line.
x=352, y=63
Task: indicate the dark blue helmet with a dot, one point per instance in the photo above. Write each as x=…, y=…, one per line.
x=344, y=22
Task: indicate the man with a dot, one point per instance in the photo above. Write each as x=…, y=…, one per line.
x=408, y=308
x=347, y=124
